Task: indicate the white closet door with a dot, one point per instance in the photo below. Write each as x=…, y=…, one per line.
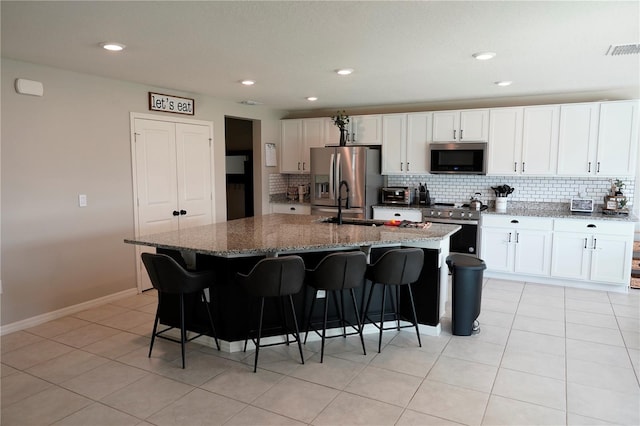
x=157, y=188
x=193, y=153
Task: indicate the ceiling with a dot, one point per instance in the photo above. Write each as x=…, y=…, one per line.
x=416, y=52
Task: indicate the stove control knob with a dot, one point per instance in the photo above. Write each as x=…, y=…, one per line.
x=439, y=213
x=461, y=214
x=450, y=214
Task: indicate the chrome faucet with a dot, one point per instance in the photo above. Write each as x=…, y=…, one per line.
x=346, y=204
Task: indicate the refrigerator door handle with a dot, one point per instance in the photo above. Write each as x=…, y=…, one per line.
x=332, y=195
x=338, y=172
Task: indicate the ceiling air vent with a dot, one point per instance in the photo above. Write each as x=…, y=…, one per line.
x=623, y=49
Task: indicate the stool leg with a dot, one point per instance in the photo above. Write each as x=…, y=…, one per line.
x=255, y=361
x=155, y=326
x=182, y=330
x=283, y=318
x=344, y=323
x=360, y=325
x=324, y=325
x=295, y=323
x=313, y=303
x=397, y=307
x=365, y=312
x=415, y=317
x=384, y=295
x=213, y=328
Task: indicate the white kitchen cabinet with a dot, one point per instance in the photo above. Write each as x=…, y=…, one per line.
x=505, y=141
x=596, y=251
x=287, y=208
x=405, y=142
x=617, y=139
x=331, y=132
x=578, y=139
x=365, y=130
x=461, y=126
x=540, y=140
x=523, y=141
x=598, y=139
x=391, y=213
x=298, y=137
x=519, y=245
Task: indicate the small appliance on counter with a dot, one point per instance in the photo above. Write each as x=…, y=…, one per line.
x=581, y=205
x=396, y=195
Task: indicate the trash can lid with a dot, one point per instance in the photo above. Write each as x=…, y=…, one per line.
x=465, y=261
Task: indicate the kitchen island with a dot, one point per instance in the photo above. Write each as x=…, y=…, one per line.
x=237, y=245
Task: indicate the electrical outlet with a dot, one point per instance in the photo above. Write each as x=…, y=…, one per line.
x=82, y=200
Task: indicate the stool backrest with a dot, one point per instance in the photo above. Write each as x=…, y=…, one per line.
x=339, y=271
x=274, y=276
x=400, y=266
x=167, y=276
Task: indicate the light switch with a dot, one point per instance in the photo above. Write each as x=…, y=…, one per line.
x=82, y=200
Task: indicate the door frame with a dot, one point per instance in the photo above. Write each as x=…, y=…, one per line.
x=133, y=116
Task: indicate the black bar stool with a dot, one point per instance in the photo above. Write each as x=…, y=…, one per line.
x=395, y=268
x=169, y=278
x=335, y=273
x=274, y=277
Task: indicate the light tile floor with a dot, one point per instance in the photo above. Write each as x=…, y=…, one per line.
x=545, y=355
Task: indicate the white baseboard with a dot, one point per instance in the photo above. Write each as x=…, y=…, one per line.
x=49, y=316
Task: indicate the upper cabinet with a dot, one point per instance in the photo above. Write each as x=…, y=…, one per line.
x=598, y=139
x=461, y=126
x=298, y=137
x=405, y=142
x=578, y=139
x=617, y=139
x=523, y=141
x=540, y=140
x=365, y=130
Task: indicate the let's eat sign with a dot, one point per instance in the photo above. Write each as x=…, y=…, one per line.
x=167, y=103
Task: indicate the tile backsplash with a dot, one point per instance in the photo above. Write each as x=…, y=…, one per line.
x=458, y=189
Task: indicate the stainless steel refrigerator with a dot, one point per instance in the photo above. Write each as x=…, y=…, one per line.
x=359, y=167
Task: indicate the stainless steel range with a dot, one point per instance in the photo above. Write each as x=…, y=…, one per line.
x=465, y=240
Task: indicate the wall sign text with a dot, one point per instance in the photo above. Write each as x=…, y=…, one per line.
x=167, y=103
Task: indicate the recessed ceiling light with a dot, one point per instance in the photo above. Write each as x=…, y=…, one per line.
x=503, y=83
x=312, y=98
x=344, y=71
x=250, y=102
x=248, y=82
x=113, y=47
x=483, y=56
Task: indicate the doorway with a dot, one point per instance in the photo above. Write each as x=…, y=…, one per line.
x=239, y=167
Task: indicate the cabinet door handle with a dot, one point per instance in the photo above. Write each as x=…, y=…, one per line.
x=407, y=166
x=517, y=237
x=515, y=221
x=595, y=241
x=176, y=213
x=591, y=225
x=509, y=237
x=298, y=165
x=397, y=214
x=515, y=166
x=304, y=165
x=292, y=208
x=523, y=167
x=461, y=130
x=454, y=135
x=353, y=137
x=183, y=212
x=598, y=169
x=589, y=169
x=401, y=166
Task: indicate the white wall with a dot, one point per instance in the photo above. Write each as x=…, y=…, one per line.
x=75, y=139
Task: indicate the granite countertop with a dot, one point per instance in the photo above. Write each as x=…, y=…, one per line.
x=279, y=233
x=283, y=199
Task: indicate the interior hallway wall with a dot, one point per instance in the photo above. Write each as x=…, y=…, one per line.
x=76, y=140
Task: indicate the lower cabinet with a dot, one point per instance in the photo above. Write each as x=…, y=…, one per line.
x=390, y=213
x=290, y=208
x=592, y=250
x=517, y=244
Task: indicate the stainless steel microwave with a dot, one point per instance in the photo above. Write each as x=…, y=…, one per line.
x=458, y=158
